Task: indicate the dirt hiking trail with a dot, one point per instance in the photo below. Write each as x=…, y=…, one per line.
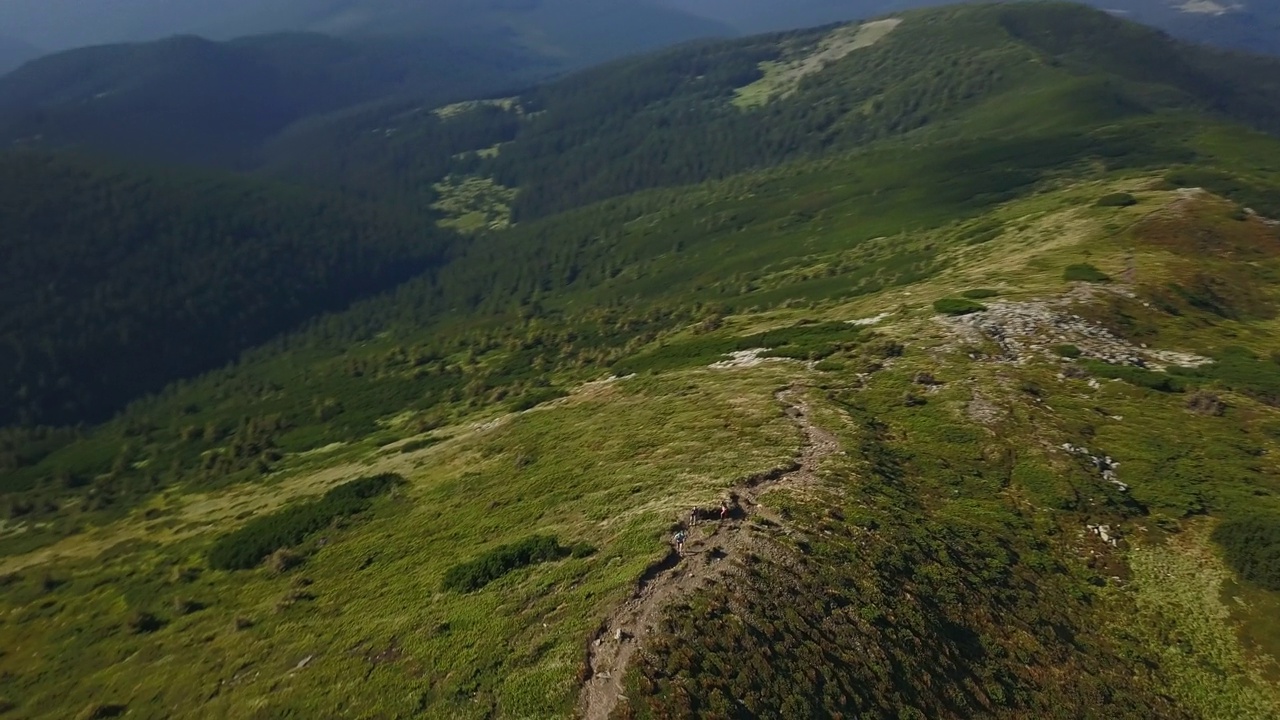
x=708, y=555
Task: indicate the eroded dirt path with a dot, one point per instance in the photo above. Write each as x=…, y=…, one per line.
x=708, y=555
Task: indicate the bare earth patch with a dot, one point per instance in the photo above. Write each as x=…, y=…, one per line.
x=1209, y=7
x=782, y=78
x=743, y=359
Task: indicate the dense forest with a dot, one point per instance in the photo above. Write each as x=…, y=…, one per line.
x=117, y=282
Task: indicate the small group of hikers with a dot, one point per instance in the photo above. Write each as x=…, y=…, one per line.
x=695, y=516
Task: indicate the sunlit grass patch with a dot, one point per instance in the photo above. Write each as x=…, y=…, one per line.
x=1178, y=589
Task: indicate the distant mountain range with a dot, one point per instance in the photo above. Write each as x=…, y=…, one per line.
x=268, y=64
x=187, y=99
x=582, y=30
x=578, y=31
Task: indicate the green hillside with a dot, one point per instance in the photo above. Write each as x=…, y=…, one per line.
x=668, y=119
x=969, y=321
x=1243, y=26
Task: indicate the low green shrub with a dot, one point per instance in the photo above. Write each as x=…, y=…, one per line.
x=1120, y=199
x=1244, y=372
x=475, y=574
x=1067, y=351
x=829, y=365
x=1084, y=272
x=957, y=306
x=288, y=527
x=1252, y=547
x=1141, y=377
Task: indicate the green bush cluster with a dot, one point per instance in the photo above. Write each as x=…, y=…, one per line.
x=1084, y=272
x=1242, y=371
x=247, y=547
x=475, y=574
x=805, y=342
x=957, y=306
x=1067, y=351
x=1252, y=547
x=1141, y=377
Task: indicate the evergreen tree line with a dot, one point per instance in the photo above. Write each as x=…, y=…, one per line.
x=118, y=281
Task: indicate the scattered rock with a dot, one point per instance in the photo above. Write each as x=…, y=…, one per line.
x=1024, y=331
x=743, y=359
x=1103, y=464
x=864, y=322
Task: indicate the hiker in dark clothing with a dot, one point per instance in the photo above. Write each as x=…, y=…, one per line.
x=694, y=515
x=724, y=509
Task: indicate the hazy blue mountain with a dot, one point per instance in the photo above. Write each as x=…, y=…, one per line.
x=188, y=99
x=578, y=30
x=584, y=30
x=1243, y=24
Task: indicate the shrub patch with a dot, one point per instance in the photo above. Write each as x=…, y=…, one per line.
x=247, y=547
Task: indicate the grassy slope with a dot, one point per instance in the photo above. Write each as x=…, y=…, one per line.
x=945, y=516
x=612, y=466
x=514, y=647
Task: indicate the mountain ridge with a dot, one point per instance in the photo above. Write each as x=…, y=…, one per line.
x=536, y=20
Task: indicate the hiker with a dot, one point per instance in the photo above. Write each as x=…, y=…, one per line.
x=679, y=542
x=694, y=515
x=724, y=510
